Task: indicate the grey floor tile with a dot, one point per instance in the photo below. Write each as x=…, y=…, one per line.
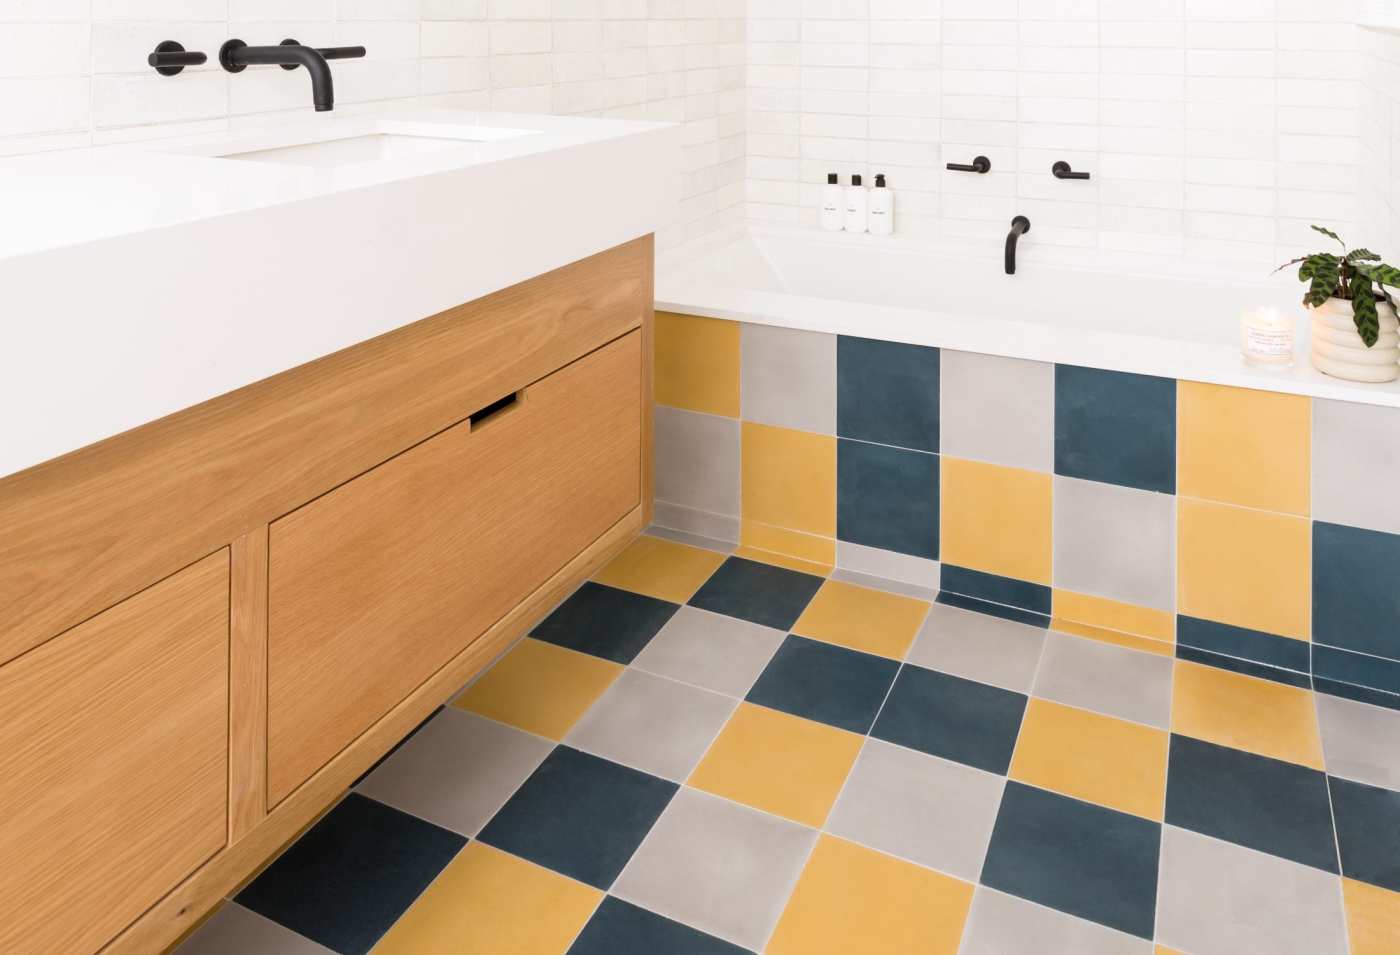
x=653, y=724
x=1001, y=924
x=788, y=378
x=1360, y=741
x=1128, y=684
x=918, y=807
x=235, y=930
x=717, y=866
x=457, y=770
x=1115, y=542
x=998, y=410
x=697, y=461
x=1217, y=898
x=978, y=646
x=710, y=650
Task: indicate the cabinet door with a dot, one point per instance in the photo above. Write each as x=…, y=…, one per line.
x=114, y=763
x=376, y=585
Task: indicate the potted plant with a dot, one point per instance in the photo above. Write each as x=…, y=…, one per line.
x=1355, y=333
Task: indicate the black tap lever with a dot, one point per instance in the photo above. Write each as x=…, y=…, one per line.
x=170, y=58
x=980, y=165
x=1019, y=227
x=236, y=56
x=1062, y=170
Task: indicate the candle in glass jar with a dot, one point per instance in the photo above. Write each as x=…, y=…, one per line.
x=1266, y=337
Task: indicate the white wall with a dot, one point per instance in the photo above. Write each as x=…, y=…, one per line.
x=73, y=72
x=1215, y=129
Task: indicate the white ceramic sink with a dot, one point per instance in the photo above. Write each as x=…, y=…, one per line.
x=354, y=143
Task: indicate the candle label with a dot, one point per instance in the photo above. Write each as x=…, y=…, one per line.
x=1268, y=342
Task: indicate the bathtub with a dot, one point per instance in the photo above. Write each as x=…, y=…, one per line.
x=903, y=291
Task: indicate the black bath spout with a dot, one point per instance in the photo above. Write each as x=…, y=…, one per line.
x=236, y=56
x=1019, y=227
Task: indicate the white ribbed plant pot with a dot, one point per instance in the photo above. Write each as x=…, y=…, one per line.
x=1337, y=348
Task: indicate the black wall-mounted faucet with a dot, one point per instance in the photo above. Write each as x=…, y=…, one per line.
x=236, y=56
x=1019, y=227
x=1062, y=170
x=981, y=165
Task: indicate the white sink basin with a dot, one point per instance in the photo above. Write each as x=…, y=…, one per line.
x=353, y=143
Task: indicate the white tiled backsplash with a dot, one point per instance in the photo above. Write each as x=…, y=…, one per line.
x=73, y=72
x=1215, y=130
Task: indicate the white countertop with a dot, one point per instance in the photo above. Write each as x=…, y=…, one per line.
x=138, y=280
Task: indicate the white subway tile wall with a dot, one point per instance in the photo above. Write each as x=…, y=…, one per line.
x=73, y=72
x=1216, y=130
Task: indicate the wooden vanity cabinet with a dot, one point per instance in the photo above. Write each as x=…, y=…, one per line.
x=376, y=585
x=115, y=776
x=211, y=625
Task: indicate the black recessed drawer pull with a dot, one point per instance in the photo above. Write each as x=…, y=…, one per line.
x=981, y=165
x=496, y=408
x=1062, y=170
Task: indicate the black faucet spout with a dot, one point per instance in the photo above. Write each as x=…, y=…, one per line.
x=236, y=56
x=1019, y=227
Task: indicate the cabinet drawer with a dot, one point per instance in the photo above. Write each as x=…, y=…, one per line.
x=376, y=585
x=113, y=763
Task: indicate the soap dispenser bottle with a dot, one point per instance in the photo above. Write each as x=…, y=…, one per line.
x=833, y=205
x=881, y=208
x=857, y=206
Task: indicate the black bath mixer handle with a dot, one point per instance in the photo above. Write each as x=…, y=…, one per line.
x=170, y=58
x=1062, y=170
x=980, y=165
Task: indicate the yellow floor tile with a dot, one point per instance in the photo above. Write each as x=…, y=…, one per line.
x=1248, y=568
x=855, y=900
x=661, y=568
x=1100, y=612
x=489, y=901
x=781, y=764
x=1095, y=758
x=697, y=364
x=1258, y=716
x=1373, y=918
x=996, y=519
x=1163, y=950
x=1239, y=446
x=750, y=552
x=789, y=479
x=862, y=619
x=540, y=688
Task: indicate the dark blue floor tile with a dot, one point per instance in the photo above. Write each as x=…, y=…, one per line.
x=1361, y=694
x=953, y=718
x=1266, y=804
x=830, y=684
x=620, y=928
x=887, y=498
x=760, y=593
x=1076, y=857
x=579, y=815
x=350, y=877
x=994, y=588
x=1356, y=604
x=1115, y=427
x=606, y=622
x=1252, y=645
x=887, y=392
x=993, y=609
x=1248, y=668
x=1358, y=669
x=1368, y=832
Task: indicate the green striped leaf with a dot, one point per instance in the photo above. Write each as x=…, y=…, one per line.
x=1330, y=234
x=1363, y=306
x=1381, y=274
x=1362, y=255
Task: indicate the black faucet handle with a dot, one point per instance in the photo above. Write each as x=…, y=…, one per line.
x=1062, y=170
x=979, y=165
x=170, y=58
x=327, y=53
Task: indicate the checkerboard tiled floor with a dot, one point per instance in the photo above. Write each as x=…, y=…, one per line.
x=707, y=754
